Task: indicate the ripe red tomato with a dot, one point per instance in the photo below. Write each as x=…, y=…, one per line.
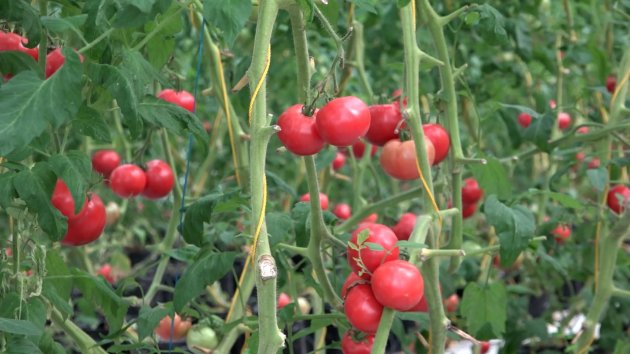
x=339, y=161
x=564, y=120
x=398, y=285
x=484, y=347
x=580, y=156
x=615, y=194
x=370, y=218
x=611, y=83
x=396, y=96
x=55, y=60
x=452, y=303
x=342, y=211
x=358, y=149
x=63, y=201
x=398, y=159
x=342, y=121
x=182, y=98
x=468, y=210
x=299, y=132
x=127, y=180
x=421, y=306
x=372, y=259
x=385, y=120
x=323, y=200
x=552, y=104
x=594, y=163
x=105, y=161
x=582, y=130
x=405, y=225
x=88, y=224
x=362, y=309
x=561, y=233
x=471, y=192
x=440, y=139
x=524, y=120
x=173, y=329
x=283, y=300
x=106, y=271
x=352, y=280
x=349, y=346
x=160, y=179
x=13, y=41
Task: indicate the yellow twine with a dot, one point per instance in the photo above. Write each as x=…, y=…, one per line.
x=428, y=190
x=619, y=85
x=259, y=84
x=228, y=117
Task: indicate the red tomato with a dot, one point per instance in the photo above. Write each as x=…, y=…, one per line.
x=582, y=130
x=564, y=120
x=398, y=285
x=323, y=200
x=405, y=226
x=127, y=180
x=396, y=95
x=385, y=120
x=172, y=329
x=298, y=132
x=594, y=163
x=358, y=149
x=561, y=233
x=88, y=225
x=484, y=347
x=524, y=120
x=283, y=300
x=580, y=156
x=342, y=121
x=552, y=104
x=611, y=83
x=452, y=303
x=362, y=309
x=13, y=41
x=339, y=161
x=105, y=161
x=55, y=60
x=62, y=200
x=617, y=197
x=468, y=210
x=370, y=218
x=182, y=98
x=352, y=280
x=349, y=346
x=342, y=211
x=398, y=159
x=160, y=179
x=106, y=271
x=372, y=259
x=421, y=306
x=471, y=192
x=440, y=139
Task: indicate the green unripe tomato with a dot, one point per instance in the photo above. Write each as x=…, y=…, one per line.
x=201, y=337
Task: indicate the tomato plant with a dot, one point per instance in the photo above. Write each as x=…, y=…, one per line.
x=361, y=346
x=398, y=158
x=128, y=180
x=159, y=179
x=171, y=328
x=362, y=309
x=298, y=133
x=364, y=260
x=342, y=121
x=398, y=285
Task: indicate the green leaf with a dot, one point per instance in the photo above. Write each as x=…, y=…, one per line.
x=229, y=16
x=539, y=132
x=172, y=117
x=13, y=62
x=324, y=158
x=75, y=169
x=22, y=12
x=160, y=48
x=491, y=24
x=409, y=244
x=66, y=24
x=36, y=313
x=493, y=178
x=279, y=226
x=300, y=214
x=368, y=5
x=514, y=226
x=135, y=13
x=98, y=291
x=35, y=187
x=331, y=11
x=89, y=122
x=565, y=200
x=28, y=105
x=58, y=282
x=207, y=268
x=7, y=191
x=18, y=344
x=598, y=177
x=22, y=327
x=200, y=212
x=48, y=345
x=373, y=246
x=148, y=319
x=484, y=308
x=284, y=186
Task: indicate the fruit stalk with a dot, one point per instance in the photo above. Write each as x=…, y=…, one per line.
x=382, y=333
x=82, y=339
x=271, y=338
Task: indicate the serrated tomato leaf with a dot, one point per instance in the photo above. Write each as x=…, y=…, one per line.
x=199, y=213
x=149, y=318
x=514, y=226
x=25, y=14
x=229, y=16
x=208, y=267
x=171, y=117
x=539, y=131
x=35, y=187
x=29, y=105
x=493, y=178
x=485, y=309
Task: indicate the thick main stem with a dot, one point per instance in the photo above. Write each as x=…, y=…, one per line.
x=430, y=268
x=271, y=338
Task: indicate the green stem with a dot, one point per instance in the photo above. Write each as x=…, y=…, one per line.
x=356, y=217
x=121, y=132
x=359, y=57
x=15, y=246
x=157, y=29
x=271, y=338
x=426, y=253
x=96, y=41
x=82, y=339
x=495, y=248
x=419, y=235
x=382, y=333
x=43, y=44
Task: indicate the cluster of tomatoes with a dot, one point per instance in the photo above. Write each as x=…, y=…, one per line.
x=15, y=42
x=343, y=121
x=199, y=337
